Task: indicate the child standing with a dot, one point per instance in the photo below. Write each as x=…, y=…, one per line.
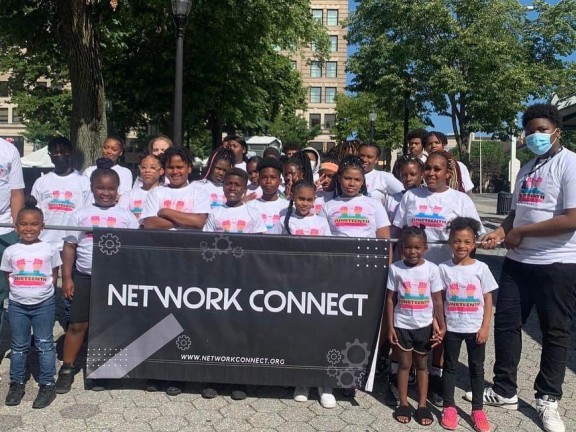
x=112, y=149
x=415, y=319
x=253, y=191
x=378, y=183
x=410, y=171
x=239, y=147
x=77, y=261
x=468, y=286
x=220, y=161
x=151, y=172
x=235, y=216
x=30, y=268
x=326, y=184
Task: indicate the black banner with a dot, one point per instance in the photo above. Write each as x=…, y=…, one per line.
x=245, y=309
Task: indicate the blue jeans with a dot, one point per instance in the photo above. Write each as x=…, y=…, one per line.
x=40, y=318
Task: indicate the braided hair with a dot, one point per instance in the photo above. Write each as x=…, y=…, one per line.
x=300, y=184
x=351, y=162
x=455, y=181
x=302, y=161
x=347, y=148
x=221, y=153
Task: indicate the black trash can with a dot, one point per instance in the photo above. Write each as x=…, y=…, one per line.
x=504, y=203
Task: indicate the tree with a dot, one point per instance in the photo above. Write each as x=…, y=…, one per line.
x=476, y=61
x=289, y=127
x=494, y=163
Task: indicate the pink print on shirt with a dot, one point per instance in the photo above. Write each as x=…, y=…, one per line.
x=174, y=205
x=95, y=221
x=464, y=304
x=217, y=200
x=531, y=192
x=429, y=216
x=234, y=226
x=307, y=232
x=414, y=299
x=27, y=278
x=136, y=209
x=270, y=220
x=61, y=201
x=351, y=217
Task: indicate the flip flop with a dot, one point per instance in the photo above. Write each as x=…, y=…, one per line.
x=403, y=411
x=423, y=413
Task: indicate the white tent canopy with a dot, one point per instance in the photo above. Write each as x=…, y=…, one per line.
x=37, y=159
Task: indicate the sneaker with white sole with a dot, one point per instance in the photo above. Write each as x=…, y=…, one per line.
x=301, y=393
x=327, y=399
x=492, y=398
x=547, y=408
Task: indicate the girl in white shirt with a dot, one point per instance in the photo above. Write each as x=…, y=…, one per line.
x=113, y=148
x=220, y=161
x=151, y=173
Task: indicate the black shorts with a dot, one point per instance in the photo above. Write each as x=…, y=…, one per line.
x=417, y=340
x=80, y=309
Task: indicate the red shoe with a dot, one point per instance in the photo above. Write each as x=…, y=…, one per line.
x=480, y=420
x=449, y=418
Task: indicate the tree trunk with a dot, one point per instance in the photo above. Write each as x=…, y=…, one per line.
x=77, y=33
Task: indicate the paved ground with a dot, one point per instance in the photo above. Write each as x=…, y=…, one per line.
x=271, y=408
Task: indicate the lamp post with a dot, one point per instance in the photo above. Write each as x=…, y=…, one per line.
x=180, y=11
x=372, y=117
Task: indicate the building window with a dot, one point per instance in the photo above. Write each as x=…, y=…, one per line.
x=293, y=65
x=314, y=120
x=42, y=84
x=329, y=121
x=315, y=70
x=315, y=95
x=333, y=43
x=332, y=17
x=3, y=115
x=331, y=69
x=3, y=88
x=318, y=15
x=16, y=116
x=330, y=94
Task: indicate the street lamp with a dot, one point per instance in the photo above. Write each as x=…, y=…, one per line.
x=372, y=117
x=180, y=11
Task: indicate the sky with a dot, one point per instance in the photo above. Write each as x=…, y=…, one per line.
x=441, y=123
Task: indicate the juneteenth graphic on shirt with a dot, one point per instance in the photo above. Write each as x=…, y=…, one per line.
x=217, y=200
x=531, y=193
x=349, y=219
x=227, y=226
x=416, y=299
x=101, y=222
x=136, y=208
x=270, y=220
x=174, y=205
x=61, y=201
x=429, y=216
x=467, y=304
x=29, y=278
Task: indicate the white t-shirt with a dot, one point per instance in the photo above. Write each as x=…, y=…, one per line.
x=214, y=190
x=134, y=201
x=124, y=173
x=434, y=210
x=241, y=219
x=466, y=180
x=250, y=189
x=188, y=199
x=30, y=267
x=241, y=165
x=391, y=204
x=312, y=225
x=269, y=210
x=414, y=286
x=465, y=287
x=91, y=217
x=382, y=183
x=359, y=216
x=322, y=197
x=11, y=178
x=540, y=195
x=58, y=196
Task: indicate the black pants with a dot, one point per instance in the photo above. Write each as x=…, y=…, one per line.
x=552, y=289
x=476, y=353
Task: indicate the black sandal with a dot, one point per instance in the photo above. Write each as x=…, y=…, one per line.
x=423, y=413
x=403, y=411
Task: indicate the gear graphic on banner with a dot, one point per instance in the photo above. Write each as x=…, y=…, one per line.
x=347, y=378
x=238, y=252
x=183, y=342
x=334, y=357
x=109, y=244
x=356, y=354
x=222, y=244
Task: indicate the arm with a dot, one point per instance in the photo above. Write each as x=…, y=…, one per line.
x=438, y=306
x=482, y=335
x=155, y=222
x=561, y=224
x=16, y=202
x=7, y=277
x=183, y=220
x=491, y=240
x=68, y=258
x=390, y=301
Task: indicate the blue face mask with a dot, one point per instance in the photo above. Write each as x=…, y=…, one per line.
x=539, y=143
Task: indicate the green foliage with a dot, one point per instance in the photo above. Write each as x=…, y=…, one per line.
x=289, y=127
x=476, y=61
x=494, y=161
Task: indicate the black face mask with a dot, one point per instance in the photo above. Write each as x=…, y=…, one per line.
x=61, y=163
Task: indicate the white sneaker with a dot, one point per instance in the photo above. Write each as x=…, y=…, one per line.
x=327, y=399
x=301, y=393
x=494, y=399
x=547, y=408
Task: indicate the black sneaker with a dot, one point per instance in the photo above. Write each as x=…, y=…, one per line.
x=435, y=391
x=15, y=394
x=46, y=395
x=391, y=392
x=65, y=379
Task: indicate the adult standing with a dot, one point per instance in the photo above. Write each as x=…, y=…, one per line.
x=415, y=141
x=11, y=201
x=435, y=141
x=539, y=268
